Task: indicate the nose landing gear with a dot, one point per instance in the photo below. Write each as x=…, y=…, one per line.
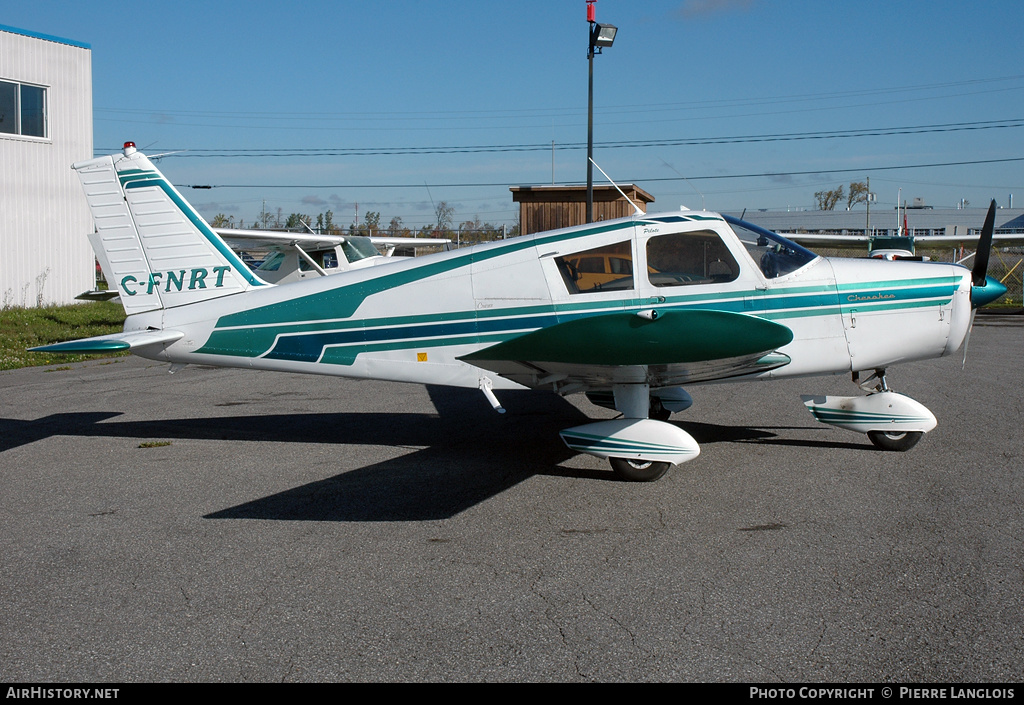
x=892, y=421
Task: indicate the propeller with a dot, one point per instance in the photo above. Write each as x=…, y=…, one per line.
x=984, y=289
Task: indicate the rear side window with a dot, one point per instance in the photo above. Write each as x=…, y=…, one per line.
x=682, y=259
x=605, y=268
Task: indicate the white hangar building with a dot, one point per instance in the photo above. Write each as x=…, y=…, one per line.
x=45, y=126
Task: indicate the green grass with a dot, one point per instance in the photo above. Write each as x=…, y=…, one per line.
x=22, y=328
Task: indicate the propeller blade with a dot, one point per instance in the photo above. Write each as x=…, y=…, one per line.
x=980, y=270
x=985, y=289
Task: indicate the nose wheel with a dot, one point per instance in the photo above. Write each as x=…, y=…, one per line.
x=892, y=440
x=892, y=421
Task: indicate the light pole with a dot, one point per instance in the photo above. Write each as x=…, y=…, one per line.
x=601, y=35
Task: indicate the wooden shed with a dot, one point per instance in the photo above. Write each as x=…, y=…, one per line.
x=552, y=207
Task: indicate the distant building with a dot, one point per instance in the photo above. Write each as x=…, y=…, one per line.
x=45, y=126
x=551, y=207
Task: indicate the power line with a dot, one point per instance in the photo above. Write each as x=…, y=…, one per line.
x=280, y=152
x=857, y=170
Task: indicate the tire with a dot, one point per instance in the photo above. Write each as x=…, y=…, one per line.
x=638, y=470
x=895, y=440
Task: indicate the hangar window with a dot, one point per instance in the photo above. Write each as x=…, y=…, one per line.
x=604, y=268
x=681, y=259
x=22, y=109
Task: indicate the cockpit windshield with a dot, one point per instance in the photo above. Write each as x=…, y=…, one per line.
x=272, y=262
x=357, y=248
x=774, y=254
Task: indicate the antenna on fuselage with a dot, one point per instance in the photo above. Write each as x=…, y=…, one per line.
x=630, y=200
x=703, y=207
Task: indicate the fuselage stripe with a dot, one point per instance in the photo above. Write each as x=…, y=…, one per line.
x=308, y=341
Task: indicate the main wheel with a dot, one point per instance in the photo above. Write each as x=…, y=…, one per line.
x=895, y=440
x=638, y=470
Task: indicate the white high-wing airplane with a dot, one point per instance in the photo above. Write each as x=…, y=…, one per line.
x=689, y=297
x=296, y=256
x=900, y=245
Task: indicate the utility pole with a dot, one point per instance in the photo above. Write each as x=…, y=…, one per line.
x=601, y=35
x=867, y=232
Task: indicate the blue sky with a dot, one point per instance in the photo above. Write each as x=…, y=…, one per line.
x=746, y=103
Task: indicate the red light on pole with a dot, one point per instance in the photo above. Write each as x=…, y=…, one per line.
x=591, y=11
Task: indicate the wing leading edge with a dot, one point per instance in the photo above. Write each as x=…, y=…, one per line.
x=113, y=342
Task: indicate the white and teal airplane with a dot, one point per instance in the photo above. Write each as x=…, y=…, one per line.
x=630, y=311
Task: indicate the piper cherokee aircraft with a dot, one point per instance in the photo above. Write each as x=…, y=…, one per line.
x=707, y=298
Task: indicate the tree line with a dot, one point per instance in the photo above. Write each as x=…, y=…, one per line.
x=444, y=225
x=828, y=199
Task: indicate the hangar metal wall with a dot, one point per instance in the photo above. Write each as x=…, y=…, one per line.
x=45, y=255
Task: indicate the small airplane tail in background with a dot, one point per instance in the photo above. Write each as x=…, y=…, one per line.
x=151, y=244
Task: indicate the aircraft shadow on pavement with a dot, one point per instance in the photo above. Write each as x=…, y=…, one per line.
x=707, y=434
x=465, y=454
x=471, y=453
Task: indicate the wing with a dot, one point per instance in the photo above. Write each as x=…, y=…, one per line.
x=410, y=241
x=254, y=239
x=671, y=349
x=838, y=242
x=1003, y=240
x=242, y=239
x=861, y=242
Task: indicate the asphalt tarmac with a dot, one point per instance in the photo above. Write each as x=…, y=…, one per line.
x=231, y=525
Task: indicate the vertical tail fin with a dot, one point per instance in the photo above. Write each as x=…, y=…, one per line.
x=153, y=246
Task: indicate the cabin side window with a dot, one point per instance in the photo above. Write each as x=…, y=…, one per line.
x=604, y=268
x=325, y=259
x=681, y=259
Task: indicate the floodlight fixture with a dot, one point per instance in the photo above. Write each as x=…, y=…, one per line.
x=604, y=35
